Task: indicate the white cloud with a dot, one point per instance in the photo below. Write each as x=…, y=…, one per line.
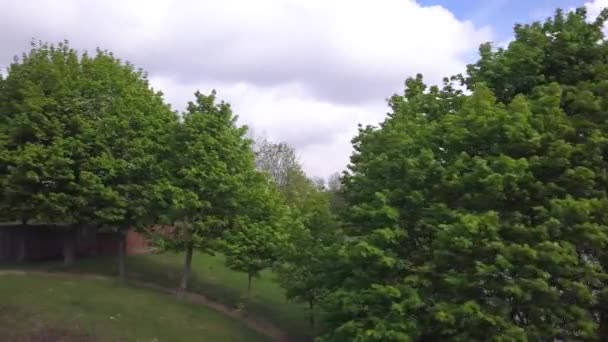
x=594, y=8
x=319, y=130
x=304, y=71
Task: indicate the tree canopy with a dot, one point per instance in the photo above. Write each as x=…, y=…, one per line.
x=81, y=136
x=482, y=216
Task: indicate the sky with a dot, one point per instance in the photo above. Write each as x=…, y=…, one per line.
x=305, y=72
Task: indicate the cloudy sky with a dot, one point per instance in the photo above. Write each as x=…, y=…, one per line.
x=301, y=71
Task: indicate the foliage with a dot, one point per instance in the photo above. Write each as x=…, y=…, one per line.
x=312, y=228
x=202, y=182
x=48, y=126
x=209, y=182
x=278, y=160
x=255, y=243
x=311, y=237
x=81, y=138
x=481, y=217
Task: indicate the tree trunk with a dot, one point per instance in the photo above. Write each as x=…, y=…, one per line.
x=249, y=276
x=21, y=247
x=69, y=248
x=311, y=317
x=122, y=252
x=187, y=267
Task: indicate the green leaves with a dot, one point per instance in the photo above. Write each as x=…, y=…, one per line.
x=85, y=132
x=486, y=206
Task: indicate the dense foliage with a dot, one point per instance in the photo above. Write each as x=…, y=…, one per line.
x=483, y=217
x=80, y=136
x=210, y=186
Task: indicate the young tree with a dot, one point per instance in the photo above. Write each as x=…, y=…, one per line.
x=255, y=243
x=278, y=160
x=206, y=176
x=312, y=230
x=305, y=254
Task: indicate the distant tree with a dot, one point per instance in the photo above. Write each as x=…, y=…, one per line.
x=319, y=183
x=311, y=233
x=205, y=178
x=334, y=183
x=334, y=190
x=276, y=159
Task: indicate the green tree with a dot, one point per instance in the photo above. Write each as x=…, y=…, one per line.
x=81, y=135
x=306, y=252
x=569, y=49
x=256, y=241
x=48, y=139
x=312, y=228
x=464, y=219
x=132, y=130
x=205, y=178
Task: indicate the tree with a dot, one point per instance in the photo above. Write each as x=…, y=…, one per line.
x=563, y=49
x=306, y=253
x=472, y=218
x=312, y=229
x=204, y=179
x=81, y=135
x=255, y=243
x=132, y=129
x=278, y=160
x=336, y=198
x=569, y=49
x=48, y=138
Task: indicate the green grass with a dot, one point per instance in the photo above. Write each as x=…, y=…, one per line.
x=51, y=308
x=211, y=278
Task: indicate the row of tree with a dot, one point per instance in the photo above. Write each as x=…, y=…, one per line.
x=476, y=211
x=86, y=142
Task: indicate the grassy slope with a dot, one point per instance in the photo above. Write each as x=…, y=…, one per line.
x=52, y=308
x=211, y=278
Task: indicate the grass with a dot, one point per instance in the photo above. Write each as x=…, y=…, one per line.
x=60, y=308
x=211, y=278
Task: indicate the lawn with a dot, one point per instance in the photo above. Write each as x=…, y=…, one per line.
x=211, y=278
x=62, y=308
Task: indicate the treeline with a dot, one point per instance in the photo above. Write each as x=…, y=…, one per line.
x=86, y=142
x=477, y=211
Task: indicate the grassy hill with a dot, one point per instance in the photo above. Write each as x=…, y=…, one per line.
x=211, y=278
x=52, y=308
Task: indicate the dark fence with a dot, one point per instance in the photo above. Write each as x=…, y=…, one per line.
x=45, y=242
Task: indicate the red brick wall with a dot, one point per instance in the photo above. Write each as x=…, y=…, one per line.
x=136, y=242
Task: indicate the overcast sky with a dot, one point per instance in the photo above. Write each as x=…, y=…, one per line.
x=301, y=71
